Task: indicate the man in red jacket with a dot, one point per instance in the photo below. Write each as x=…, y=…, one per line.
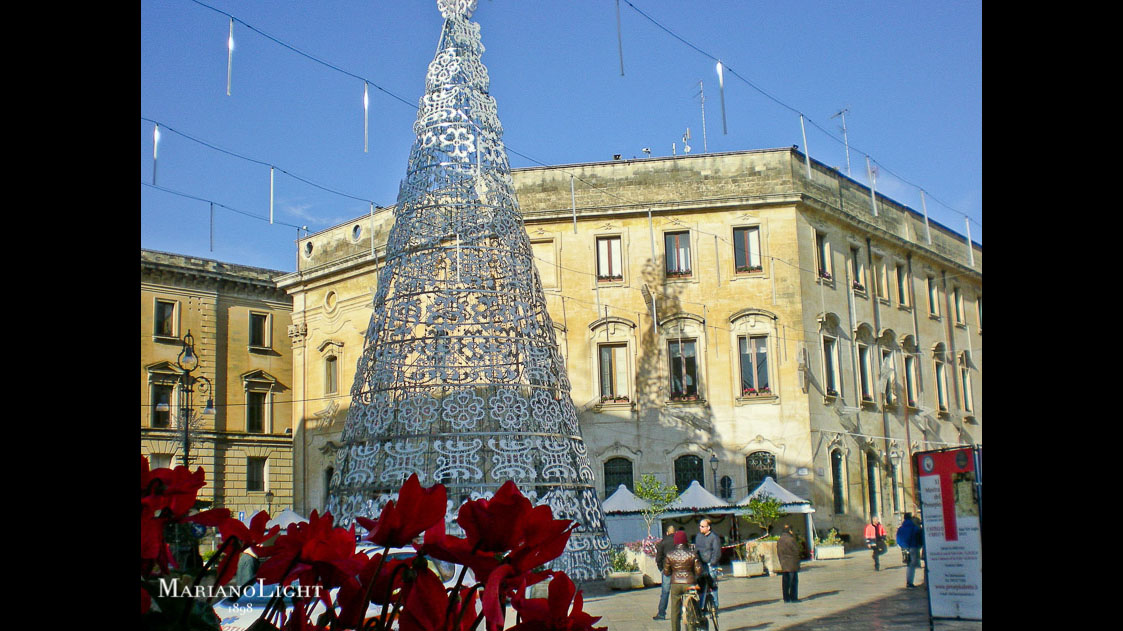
x=875, y=540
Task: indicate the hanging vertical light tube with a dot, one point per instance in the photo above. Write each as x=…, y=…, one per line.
x=873, y=186
x=806, y=150
x=270, y=194
x=721, y=89
x=366, y=115
x=229, y=56
x=970, y=250
x=619, y=38
x=155, y=146
x=573, y=203
x=924, y=206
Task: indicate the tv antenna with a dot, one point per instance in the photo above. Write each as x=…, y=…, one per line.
x=685, y=141
x=702, y=94
x=842, y=112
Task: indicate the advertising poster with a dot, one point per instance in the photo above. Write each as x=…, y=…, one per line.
x=949, y=483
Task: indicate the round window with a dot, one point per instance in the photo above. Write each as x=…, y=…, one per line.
x=356, y=232
x=308, y=248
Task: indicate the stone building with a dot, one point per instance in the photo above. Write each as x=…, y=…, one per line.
x=751, y=312
x=239, y=321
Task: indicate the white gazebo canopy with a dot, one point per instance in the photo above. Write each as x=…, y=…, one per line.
x=695, y=500
x=284, y=518
x=791, y=503
x=623, y=501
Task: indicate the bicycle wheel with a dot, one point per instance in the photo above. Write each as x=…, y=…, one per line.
x=711, y=613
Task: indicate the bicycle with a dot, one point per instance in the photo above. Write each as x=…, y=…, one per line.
x=699, y=616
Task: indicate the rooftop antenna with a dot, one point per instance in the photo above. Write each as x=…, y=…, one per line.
x=702, y=94
x=685, y=144
x=647, y=151
x=842, y=112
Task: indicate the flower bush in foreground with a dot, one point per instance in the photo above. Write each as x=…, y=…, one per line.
x=506, y=541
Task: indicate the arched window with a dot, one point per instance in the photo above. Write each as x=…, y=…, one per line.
x=617, y=471
x=726, y=489
x=330, y=471
x=838, y=486
x=873, y=479
x=687, y=469
x=759, y=465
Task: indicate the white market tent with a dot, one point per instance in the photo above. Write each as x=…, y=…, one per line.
x=622, y=516
x=284, y=518
x=790, y=502
x=695, y=500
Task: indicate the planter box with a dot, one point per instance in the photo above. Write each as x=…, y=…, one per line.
x=647, y=567
x=830, y=552
x=625, y=580
x=765, y=551
x=747, y=568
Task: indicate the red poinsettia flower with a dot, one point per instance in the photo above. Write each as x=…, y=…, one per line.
x=175, y=489
x=553, y=613
x=243, y=539
x=357, y=592
x=315, y=553
x=415, y=511
x=505, y=538
x=426, y=606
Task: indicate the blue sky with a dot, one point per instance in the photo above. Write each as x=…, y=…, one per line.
x=910, y=74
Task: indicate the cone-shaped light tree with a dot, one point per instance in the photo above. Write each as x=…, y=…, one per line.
x=460, y=379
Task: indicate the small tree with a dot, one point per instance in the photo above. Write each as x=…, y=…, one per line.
x=657, y=495
x=763, y=511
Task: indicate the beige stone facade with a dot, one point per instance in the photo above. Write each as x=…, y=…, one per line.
x=760, y=275
x=239, y=321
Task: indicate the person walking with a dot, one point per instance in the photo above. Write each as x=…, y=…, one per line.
x=790, y=552
x=875, y=540
x=709, y=552
x=910, y=547
x=663, y=548
x=681, y=568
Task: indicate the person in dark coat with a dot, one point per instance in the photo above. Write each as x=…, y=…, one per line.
x=910, y=538
x=681, y=569
x=790, y=552
x=661, y=550
x=709, y=552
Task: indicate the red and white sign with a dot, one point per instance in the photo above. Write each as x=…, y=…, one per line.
x=949, y=497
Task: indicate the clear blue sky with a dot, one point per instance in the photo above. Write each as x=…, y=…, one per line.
x=910, y=74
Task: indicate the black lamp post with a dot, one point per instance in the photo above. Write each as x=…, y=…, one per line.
x=188, y=362
x=713, y=467
x=269, y=502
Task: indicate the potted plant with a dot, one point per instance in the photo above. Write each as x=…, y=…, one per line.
x=764, y=511
x=742, y=567
x=625, y=572
x=831, y=547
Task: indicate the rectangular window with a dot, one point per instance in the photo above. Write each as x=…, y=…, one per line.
x=941, y=385
x=881, y=278
x=886, y=368
x=677, y=254
x=910, y=380
x=823, y=255
x=933, y=297
x=546, y=261
x=159, y=461
x=902, y=286
x=255, y=412
x=830, y=366
x=161, y=405
x=331, y=375
x=609, y=265
x=857, y=269
x=957, y=302
x=259, y=330
x=164, y=319
x=684, y=370
x=864, y=372
x=754, y=365
x=255, y=474
x=965, y=383
x=746, y=249
x=613, y=371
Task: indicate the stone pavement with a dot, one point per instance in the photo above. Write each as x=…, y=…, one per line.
x=835, y=595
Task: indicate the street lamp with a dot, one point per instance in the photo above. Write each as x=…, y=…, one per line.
x=269, y=502
x=713, y=467
x=188, y=362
